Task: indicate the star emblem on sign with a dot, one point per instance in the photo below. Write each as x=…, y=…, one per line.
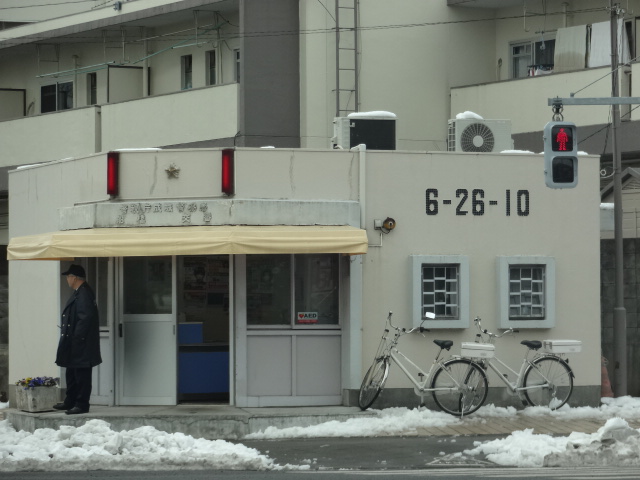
x=172, y=171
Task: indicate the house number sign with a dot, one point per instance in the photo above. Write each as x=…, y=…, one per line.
x=476, y=202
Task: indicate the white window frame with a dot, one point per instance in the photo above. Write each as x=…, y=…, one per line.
x=503, y=265
x=417, y=261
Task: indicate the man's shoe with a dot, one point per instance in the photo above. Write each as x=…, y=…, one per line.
x=61, y=406
x=76, y=411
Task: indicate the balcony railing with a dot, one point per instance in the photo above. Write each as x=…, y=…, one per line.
x=524, y=101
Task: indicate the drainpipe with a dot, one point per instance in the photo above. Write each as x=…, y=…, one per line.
x=362, y=191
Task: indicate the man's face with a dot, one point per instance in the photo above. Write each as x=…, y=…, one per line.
x=71, y=279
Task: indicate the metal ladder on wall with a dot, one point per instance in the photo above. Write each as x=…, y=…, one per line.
x=346, y=57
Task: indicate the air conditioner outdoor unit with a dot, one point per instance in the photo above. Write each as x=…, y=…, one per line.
x=377, y=130
x=479, y=135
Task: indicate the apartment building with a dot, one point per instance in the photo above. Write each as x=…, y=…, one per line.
x=194, y=74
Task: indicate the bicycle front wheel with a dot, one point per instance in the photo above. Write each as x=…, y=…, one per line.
x=548, y=382
x=373, y=382
x=459, y=387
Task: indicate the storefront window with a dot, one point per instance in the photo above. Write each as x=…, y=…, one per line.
x=147, y=285
x=317, y=293
x=311, y=299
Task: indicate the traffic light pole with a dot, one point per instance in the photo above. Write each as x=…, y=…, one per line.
x=619, y=311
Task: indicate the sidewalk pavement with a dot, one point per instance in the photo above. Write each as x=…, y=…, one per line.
x=233, y=423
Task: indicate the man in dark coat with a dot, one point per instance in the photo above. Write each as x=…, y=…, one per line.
x=79, y=347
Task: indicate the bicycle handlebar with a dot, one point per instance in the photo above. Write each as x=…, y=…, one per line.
x=420, y=328
x=477, y=320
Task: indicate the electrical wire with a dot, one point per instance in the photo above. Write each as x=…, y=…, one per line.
x=46, y=4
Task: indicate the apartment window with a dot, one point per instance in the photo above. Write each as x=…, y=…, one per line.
x=293, y=291
x=526, y=291
x=57, y=96
x=533, y=57
x=236, y=56
x=441, y=286
x=212, y=71
x=92, y=88
x=186, y=62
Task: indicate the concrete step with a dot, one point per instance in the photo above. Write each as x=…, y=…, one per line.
x=200, y=421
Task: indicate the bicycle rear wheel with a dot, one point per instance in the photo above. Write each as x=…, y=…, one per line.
x=460, y=387
x=555, y=380
x=373, y=382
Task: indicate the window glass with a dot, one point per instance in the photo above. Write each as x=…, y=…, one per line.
x=236, y=55
x=440, y=290
x=211, y=67
x=526, y=292
x=187, y=69
x=48, y=98
x=65, y=96
x=147, y=285
x=92, y=88
x=102, y=289
x=269, y=290
x=317, y=289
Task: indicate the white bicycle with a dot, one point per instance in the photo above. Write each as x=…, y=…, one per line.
x=544, y=379
x=458, y=385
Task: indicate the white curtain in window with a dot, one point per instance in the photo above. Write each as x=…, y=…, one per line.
x=571, y=48
x=600, y=47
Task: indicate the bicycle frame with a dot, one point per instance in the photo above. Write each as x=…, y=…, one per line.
x=389, y=348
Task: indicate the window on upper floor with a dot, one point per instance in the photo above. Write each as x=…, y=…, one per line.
x=236, y=56
x=212, y=70
x=532, y=57
x=92, y=88
x=186, y=69
x=57, y=96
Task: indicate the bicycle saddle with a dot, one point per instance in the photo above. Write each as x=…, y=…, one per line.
x=445, y=344
x=532, y=344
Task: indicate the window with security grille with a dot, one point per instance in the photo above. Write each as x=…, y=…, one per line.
x=440, y=290
x=526, y=292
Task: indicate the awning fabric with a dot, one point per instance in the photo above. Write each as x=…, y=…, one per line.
x=189, y=240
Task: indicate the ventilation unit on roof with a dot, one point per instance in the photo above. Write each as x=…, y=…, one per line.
x=478, y=135
x=377, y=130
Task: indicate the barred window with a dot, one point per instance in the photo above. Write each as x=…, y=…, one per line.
x=526, y=292
x=440, y=290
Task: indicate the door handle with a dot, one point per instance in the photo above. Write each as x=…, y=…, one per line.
x=120, y=330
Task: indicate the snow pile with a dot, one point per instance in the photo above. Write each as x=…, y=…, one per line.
x=468, y=114
x=390, y=421
x=615, y=443
x=95, y=446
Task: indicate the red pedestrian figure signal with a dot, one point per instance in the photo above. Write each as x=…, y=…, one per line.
x=561, y=139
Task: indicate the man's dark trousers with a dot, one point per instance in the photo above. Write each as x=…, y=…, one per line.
x=78, y=387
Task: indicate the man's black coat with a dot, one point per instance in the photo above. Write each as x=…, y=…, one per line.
x=79, y=345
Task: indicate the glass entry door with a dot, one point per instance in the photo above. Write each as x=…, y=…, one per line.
x=146, y=331
x=203, y=328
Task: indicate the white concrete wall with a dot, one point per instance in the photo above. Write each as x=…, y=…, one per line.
x=182, y=117
x=72, y=133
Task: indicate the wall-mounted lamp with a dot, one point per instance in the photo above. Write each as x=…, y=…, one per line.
x=117, y=6
x=385, y=226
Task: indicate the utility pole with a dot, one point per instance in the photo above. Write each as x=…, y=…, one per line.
x=619, y=311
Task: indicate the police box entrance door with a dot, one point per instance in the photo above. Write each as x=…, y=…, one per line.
x=203, y=328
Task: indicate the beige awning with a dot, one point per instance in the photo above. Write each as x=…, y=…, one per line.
x=190, y=240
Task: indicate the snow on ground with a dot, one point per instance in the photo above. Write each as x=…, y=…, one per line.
x=96, y=446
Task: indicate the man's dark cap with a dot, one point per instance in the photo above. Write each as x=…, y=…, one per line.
x=75, y=270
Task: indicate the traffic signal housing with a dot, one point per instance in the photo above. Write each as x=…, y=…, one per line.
x=560, y=155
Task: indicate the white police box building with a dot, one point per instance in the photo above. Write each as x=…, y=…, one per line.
x=260, y=277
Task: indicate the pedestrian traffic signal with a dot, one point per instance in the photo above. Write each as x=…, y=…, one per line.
x=560, y=155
